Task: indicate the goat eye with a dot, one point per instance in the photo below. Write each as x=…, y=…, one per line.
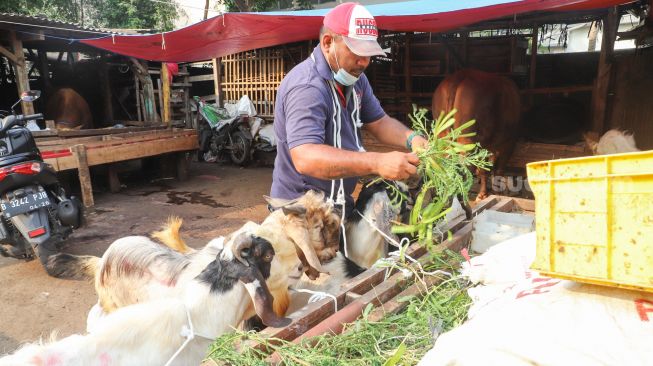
x=268, y=258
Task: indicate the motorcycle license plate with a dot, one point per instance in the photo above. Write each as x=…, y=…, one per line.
x=30, y=202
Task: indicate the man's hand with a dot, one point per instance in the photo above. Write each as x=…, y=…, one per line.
x=396, y=165
x=419, y=143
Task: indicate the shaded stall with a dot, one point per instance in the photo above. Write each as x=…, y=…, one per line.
x=90, y=96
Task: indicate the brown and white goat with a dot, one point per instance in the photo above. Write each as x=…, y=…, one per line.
x=150, y=333
x=378, y=205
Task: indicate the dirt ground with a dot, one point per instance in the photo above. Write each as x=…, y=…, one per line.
x=215, y=200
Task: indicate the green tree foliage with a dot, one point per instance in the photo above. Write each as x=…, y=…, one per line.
x=132, y=14
x=137, y=14
x=64, y=10
x=264, y=5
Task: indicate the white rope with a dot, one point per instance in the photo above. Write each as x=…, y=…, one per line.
x=187, y=332
x=319, y=295
x=402, y=245
x=356, y=120
x=337, y=143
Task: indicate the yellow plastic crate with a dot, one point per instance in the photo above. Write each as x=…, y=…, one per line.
x=594, y=219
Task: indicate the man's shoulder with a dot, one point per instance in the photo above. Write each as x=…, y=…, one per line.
x=304, y=75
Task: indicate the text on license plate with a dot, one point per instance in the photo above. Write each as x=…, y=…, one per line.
x=31, y=201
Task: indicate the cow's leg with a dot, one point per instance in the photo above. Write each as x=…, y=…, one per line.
x=482, y=191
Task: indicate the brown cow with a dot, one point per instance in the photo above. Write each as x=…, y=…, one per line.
x=69, y=110
x=493, y=101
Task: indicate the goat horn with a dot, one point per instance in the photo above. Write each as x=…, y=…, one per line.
x=242, y=243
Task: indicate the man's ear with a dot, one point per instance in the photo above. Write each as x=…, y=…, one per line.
x=325, y=42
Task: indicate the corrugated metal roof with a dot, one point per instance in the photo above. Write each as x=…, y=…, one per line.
x=21, y=22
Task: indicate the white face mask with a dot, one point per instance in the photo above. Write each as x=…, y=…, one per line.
x=342, y=76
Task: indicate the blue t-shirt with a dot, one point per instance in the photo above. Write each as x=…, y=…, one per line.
x=304, y=115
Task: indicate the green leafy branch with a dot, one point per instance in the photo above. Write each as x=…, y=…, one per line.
x=445, y=167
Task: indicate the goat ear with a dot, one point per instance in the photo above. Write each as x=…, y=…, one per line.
x=287, y=206
x=298, y=233
x=296, y=209
x=591, y=140
x=262, y=299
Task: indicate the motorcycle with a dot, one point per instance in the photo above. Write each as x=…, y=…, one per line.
x=35, y=214
x=220, y=135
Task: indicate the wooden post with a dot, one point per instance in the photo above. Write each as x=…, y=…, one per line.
x=114, y=181
x=22, y=80
x=107, y=110
x=408, y=79
x=165, y=92
x=79, y=151
x=217, y=80
x=181, y=166
x=602, y=85
x=465, y=50
x=45, y=70
x=535, y=40
x=137, y=92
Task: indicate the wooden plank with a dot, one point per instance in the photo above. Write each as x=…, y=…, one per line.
x=558, y=90
x=121, y=152
x=81, y=162
x=127, y=137
x=106, y=131
x=165, y=81
x=524, y=204
x=8, y=54
x=198, y=78
x=112, y=140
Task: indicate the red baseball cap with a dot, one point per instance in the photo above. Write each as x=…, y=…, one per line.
x=357, y=27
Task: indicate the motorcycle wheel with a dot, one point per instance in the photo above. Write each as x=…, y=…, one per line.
x=241, y=145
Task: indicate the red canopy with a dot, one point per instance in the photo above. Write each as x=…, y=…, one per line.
x=236, y=32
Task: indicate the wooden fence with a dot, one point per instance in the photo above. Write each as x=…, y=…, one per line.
x=257, y=74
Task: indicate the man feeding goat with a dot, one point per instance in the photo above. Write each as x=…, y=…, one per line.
x=321, y=105
x=175, y=330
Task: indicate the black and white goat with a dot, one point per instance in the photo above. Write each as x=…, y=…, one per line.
x=379, y=204
x=178, y=328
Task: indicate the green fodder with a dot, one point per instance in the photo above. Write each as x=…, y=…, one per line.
x=400, y=339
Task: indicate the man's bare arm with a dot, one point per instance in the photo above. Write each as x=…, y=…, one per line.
x=390, y=131
x=326, y=162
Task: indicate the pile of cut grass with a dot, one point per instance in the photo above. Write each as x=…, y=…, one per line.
x=400, y=339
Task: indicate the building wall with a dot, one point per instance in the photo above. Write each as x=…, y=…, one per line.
x=631, y=102
x=578, y=38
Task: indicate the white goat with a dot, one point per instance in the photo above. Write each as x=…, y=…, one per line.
x=612, y=142
x=177, y=329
